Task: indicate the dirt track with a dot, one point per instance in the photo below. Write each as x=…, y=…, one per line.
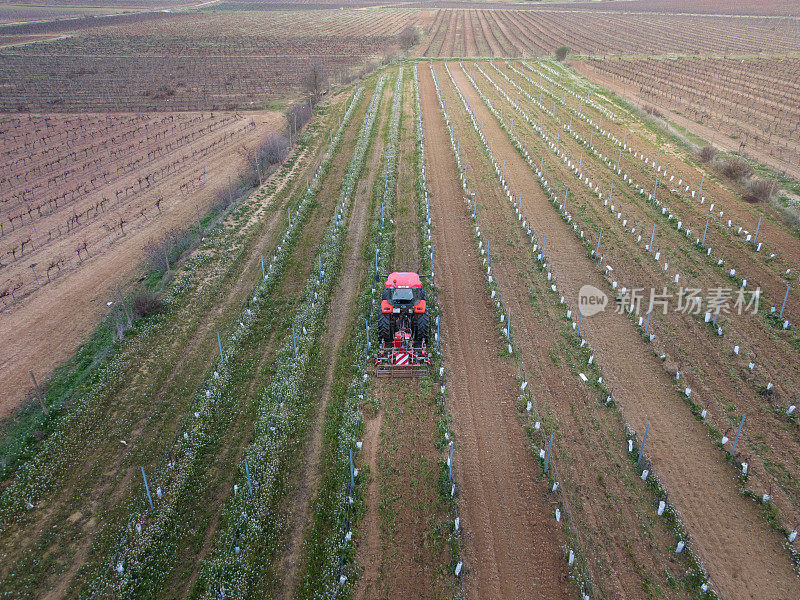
x=690, y=468
x=513, y=545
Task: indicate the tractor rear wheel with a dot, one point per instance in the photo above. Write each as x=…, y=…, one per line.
x=384, y=327
x=422, y=327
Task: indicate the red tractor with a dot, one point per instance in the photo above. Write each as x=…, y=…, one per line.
x=403, y=327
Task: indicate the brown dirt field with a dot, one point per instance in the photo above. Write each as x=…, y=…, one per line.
x=37, y=333
x=488, y=34
x=718, y=377
x=625, y=552
x=342, y=310
x=646, y=395
x=770, y=277
x=774, y=232
x=512, y=546
x=470, y=46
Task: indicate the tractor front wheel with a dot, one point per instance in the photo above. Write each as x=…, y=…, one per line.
x=384, y=327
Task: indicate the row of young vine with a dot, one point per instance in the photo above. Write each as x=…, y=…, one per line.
x=253, y=522
x=576, y=558
x=144, y=551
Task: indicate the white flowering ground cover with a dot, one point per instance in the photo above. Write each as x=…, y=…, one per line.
x=187, y=299
x=248, y=540
x=145, y=551
x=329, y=571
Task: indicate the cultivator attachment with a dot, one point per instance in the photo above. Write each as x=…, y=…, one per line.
x=402, y=358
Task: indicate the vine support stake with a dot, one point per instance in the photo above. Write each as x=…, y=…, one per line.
x=704, y=233
x=738, y=431
x=641, y=448
x=785, y=298
x=755, y=237
x=352, y=474
x=39, y=394
x=547, y=458
x=147, y=489
x=219, y=343
x=294, y=343
x=249, y=481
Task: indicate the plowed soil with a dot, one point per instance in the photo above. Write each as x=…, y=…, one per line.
x=513, y=546
x=690, y=468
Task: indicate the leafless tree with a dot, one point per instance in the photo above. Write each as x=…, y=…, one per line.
x=315, y=81
x=409, y=38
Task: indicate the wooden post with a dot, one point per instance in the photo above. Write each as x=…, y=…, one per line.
x=39, y=394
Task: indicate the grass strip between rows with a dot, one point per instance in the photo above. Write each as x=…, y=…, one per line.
x=248, y=541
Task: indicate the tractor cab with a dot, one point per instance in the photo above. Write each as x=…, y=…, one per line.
x=402, y=327
x=403, y=294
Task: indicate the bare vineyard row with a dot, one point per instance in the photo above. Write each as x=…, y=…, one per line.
x=110, y=182
x=746, y=336
x=475, y=32
x=292, y=27
x=754, y=101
